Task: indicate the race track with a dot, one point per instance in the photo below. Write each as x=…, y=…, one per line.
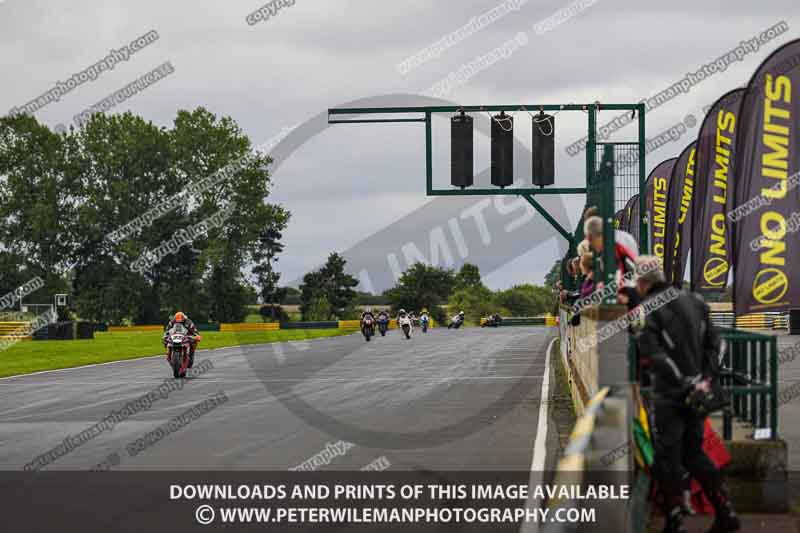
x=460, y=400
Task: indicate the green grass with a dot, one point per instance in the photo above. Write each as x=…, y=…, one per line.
x=253, y=318
x=35, y=356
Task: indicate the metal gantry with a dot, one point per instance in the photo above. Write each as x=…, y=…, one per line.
x=600, y=183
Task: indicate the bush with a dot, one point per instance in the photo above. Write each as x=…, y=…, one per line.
x=273, y=313
x=319, y=309
x=476, y=302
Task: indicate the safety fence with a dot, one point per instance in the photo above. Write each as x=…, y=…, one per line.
x=259, y=326
x=11, y=329
x=750, y=375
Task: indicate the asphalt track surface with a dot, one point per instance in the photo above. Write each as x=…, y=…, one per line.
x=448, y=400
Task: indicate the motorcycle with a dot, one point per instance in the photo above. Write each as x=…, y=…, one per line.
x=368, y=327
x=179, y=350
x=456, y=322
x=405, y=324
x=423, y=322
x=383, y=324
x=492, y=321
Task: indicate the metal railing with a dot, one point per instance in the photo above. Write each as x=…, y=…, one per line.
x=750, y=375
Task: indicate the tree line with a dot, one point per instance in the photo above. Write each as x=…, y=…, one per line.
x=62, y=194
x=329, y=293
x=64, y=197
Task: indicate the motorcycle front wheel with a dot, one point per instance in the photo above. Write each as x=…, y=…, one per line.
x=176, y=359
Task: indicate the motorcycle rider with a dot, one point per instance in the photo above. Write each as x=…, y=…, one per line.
x=367, y=313
x=181, y=318
x=457, y=320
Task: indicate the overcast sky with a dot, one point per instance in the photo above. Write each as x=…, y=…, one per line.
x=346, y=182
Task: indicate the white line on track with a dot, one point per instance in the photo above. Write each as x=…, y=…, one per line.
x=540, y=444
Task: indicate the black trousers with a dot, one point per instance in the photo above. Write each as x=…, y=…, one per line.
x=678, y=443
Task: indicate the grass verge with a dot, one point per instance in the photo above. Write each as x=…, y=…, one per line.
x=35, y=356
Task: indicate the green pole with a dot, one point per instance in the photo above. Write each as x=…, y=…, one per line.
x=643, y=236
x=428, y=154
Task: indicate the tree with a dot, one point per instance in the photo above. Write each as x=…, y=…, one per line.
x=476, y=302
x=332, y=283
x=468, y=277
x=37, y=206
x=61, y=195
x=264, y=258
x=423, y=287
x=553, y=275
x=227, y=295
x=525, y=300
x=318, y=309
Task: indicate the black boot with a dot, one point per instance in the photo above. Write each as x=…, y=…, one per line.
x=725, y=518
x=674, y=521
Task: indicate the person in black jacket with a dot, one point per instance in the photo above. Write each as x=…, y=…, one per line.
x=679, y=348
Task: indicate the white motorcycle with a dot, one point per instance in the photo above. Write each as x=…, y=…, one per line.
x=404, y=322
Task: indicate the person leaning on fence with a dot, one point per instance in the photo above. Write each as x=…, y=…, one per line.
x=625, y=251
x=567, y=297
x=585, y=263
x=588, y=285
x=678, y=348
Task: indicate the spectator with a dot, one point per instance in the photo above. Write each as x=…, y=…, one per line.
x=584, y=248
x=573, y=269
x=625, y=249
x=590, y=212
x=588, y=286
x=678, y=347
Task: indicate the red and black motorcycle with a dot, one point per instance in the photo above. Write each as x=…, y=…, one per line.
x=179, y=349
x=368, y=327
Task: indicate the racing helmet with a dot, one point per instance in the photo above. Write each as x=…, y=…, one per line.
x=179, y=317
